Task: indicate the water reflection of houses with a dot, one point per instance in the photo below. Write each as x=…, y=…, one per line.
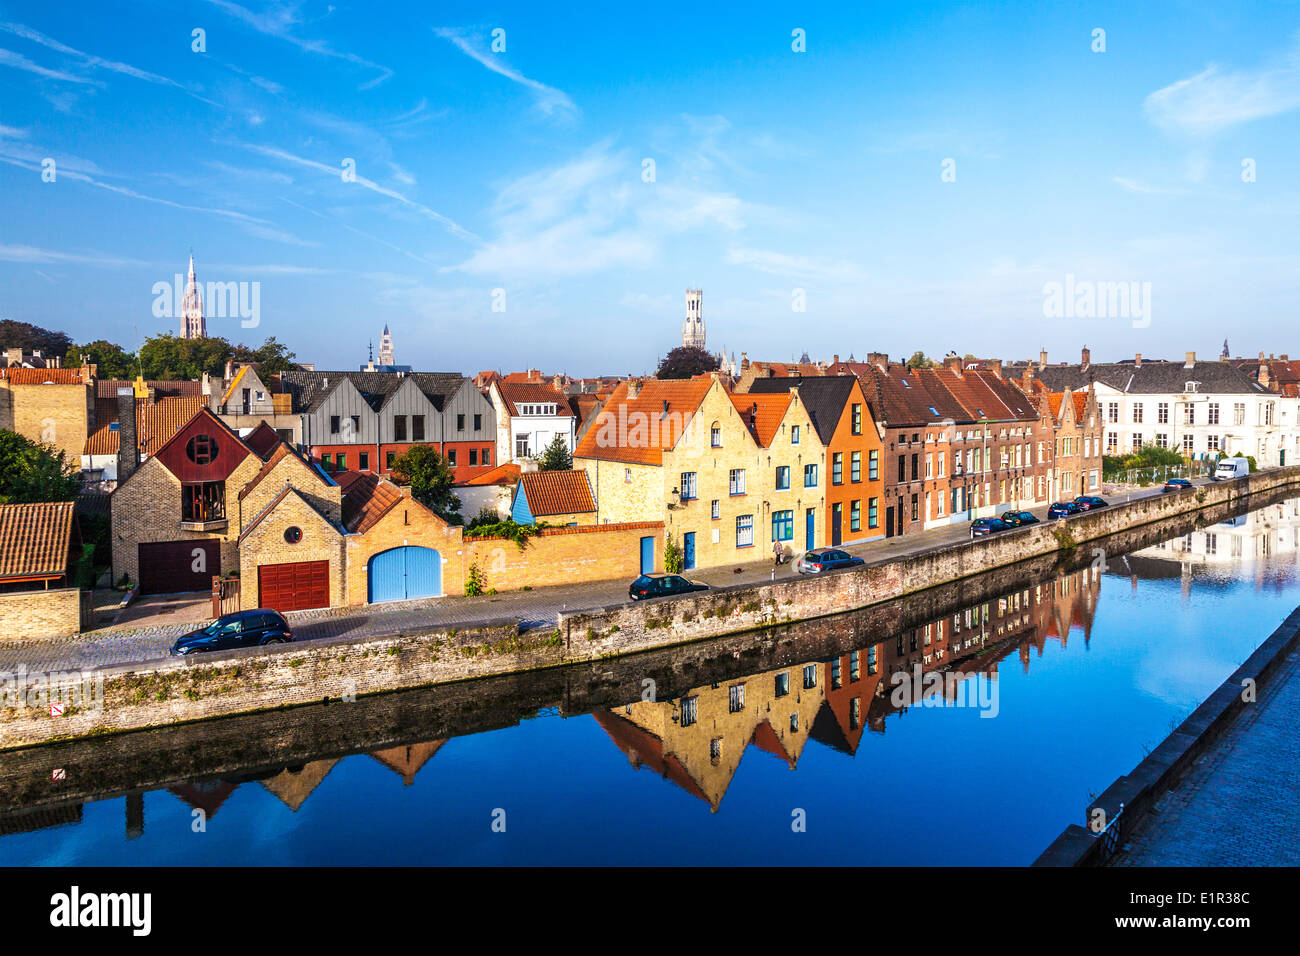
x=696, y=741
x=1247, y=541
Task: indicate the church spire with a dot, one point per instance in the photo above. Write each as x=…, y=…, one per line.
x=193, y=325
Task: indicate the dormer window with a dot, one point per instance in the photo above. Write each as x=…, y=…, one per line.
x=1191, y=386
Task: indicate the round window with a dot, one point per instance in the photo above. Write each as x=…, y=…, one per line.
x=293, y=535
x=202, y=449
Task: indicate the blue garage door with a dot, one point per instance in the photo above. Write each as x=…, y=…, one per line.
x=404, y=573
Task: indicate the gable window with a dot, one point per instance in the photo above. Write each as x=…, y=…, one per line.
x=202, y=449
x=855, y=467
x=837, y=468
x=460, y=423
x=857, y=418
x=782, y=477
x=399, y=428
x=715, y=435
x=794, y=434
x=810, y=476
x=478, y=423
x=417, y=428
x=356, y=425
x=736, y=485
x=334, y=424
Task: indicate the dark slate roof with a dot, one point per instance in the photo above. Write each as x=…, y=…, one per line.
x=823, y=396
x=309, y=389
x=1151, y=377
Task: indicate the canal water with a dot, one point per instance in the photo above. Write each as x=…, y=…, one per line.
x=1013, y=712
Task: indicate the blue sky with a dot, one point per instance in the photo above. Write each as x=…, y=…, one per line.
x=774, y=171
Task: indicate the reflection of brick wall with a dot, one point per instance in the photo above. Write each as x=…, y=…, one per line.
x=564, y=556
x=28, y=615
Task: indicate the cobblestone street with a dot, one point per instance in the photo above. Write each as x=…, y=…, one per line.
x=1237, y=806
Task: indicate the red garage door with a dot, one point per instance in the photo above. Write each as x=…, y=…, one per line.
x=294, y=587
x=170, y=566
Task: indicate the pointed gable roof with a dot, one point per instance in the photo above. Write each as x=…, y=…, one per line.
x=263, y=440
x=824, y=398
x=367, y=499
x=657, y=398
x=761, y=412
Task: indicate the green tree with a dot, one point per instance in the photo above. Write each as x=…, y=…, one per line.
x=32, y=338
x=555, y=456
x=686, y=361
x=919, y=360
x=430, y=479
x=270, y=357
x=674, y=559
x=31, y=471
x=168, y=357
x=110, y=360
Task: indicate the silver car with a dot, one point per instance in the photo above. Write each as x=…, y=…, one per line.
x=825, y=559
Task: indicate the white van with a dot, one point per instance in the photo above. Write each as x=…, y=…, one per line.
x=1229, y=468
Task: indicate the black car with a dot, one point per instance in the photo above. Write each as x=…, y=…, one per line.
x=1018, y=518
x=1175, y=484
x=1063, y=509
x=1090, y=502
x=662, y=585
x=241, y=629
x=982, y=526
x=831, y=559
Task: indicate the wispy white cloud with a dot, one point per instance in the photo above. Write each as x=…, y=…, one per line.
x=34, y=254
x=548, y=99
x=19, y=62
x=279, y=22
x=87, y=59
x=796, y=267
x=453, y=227
x=1215, y=99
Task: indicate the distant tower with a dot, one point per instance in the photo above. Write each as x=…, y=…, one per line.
x=693, y=327
x=1225, y=353
x=192, y=324
x=387, y=356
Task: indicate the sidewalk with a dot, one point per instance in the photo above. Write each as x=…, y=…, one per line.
x=153, y=639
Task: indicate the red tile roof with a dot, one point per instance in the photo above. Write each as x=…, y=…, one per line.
x=42, y=376
x=506, y=474
x=34, y=540
x=517, y=393
x=623, y=431
x=367, y=500
x=768, y=410
x=557, y=492
x=155, y=424
x=281, y=452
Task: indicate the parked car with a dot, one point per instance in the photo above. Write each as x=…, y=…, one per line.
x=1175, y=484
x=662, y=585
x=1229, y=468
x=983, y=526
x=1018, y=518
x=1064, y=509
x=832, y=559
x=1091, y=502
x=254, y=628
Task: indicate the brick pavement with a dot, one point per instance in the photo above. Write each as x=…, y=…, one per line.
x=1237, y=806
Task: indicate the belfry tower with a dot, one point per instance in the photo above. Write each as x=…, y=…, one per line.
x=693, y=327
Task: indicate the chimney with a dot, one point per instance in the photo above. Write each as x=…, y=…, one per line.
x=1265, y=378
x=835, y=359
x=1042, y=359
x=744, y=360
x=206, y=387
x=230, y=369
x=954, y=362
x=633, y=387
x=1191, y=360
x=128, y=442
x=1137, y=360
x=1027, y=381
x=1087, y=356
x=877, y=358
x=995, y=366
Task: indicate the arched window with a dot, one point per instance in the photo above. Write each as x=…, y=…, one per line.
x=715, y=435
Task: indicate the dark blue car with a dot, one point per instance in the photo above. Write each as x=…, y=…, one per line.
x=983, y=526
x=1090, y=502
x=1063, y=509
x=1175, y=484
x=253, y=628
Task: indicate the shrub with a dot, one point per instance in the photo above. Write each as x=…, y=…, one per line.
x=474, y=581
x=673, y=557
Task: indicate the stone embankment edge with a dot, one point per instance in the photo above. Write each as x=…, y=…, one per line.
x=1162, y=769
